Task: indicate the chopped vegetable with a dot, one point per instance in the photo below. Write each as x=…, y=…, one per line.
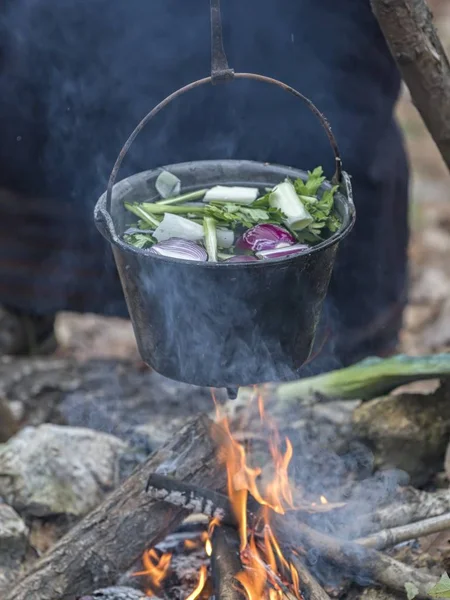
x=178, y=248
x=167, y=185
x=285, y=198
x=282, y=252
x=225, y=238
x=198, y=195
x=265, y=237
x=209, y=226
x=173, y=226
x=240, y=195
x=286, y=220
x=139, y=211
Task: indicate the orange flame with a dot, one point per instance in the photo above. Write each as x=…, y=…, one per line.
x=259, y=577
x=156, y=568
x=201, y=584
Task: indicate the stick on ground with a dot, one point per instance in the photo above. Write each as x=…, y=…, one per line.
x=112, y=537
x=391, y=537
x=412, y=506
x=409, y=31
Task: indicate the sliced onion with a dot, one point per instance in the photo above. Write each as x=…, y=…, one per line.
x=179, y=248
x=241, y=258
x=265, y=237
x=282, y=252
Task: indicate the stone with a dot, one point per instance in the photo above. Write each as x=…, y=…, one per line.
x=407, y=431
x=56, y=470
x=13, y=544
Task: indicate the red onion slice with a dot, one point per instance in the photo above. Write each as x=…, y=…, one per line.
x=282, y=252
x=179, y=248
x=265, y=237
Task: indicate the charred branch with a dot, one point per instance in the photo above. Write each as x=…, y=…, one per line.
x=225, y=563
x=112, y=537
x=191, y=497
x=415, y=45
x=391, y=537
x=355, y=559
x=310, y=588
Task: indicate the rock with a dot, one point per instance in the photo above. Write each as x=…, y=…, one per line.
x=408, y=431
x=54, y=470
x=13, y=544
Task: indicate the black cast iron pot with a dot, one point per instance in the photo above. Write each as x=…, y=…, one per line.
x=221, y=324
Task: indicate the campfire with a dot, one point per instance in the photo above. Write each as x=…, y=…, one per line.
x=257, y=537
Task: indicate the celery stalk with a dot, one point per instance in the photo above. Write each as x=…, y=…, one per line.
x=209, y=227
x=142, y=214
x=188, y=197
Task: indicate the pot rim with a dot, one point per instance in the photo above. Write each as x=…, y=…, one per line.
x=105, y=223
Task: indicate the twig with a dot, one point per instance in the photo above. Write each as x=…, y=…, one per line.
x=308, y=584
x=391, y=537
x=415, y=45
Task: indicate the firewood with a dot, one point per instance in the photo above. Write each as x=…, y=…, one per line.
x=352, y=557
x=225, y=563
x=310, y=587
x=391, y=537
x=114, y=535
x=411, y=506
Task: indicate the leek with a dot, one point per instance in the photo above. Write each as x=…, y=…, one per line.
x=285, y=198
x=174, y=226
x=240, y=195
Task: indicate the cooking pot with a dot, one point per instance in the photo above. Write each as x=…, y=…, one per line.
x=221, y=324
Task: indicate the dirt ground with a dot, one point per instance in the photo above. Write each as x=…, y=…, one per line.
x=427, y=319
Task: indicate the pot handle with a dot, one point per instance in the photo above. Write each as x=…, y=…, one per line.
x=220, y=72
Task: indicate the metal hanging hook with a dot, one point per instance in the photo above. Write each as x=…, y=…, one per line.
x=220, y=71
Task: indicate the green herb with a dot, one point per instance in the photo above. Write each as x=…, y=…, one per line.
x=139, y=240
x=139, y=211
x=235, y=214
x=321, y=209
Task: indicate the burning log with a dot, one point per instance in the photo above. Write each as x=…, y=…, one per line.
x=311, y=589
x=225, y=563
x=391, y=537
x=351, y=556
x=190, y=497
x=113, y=536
